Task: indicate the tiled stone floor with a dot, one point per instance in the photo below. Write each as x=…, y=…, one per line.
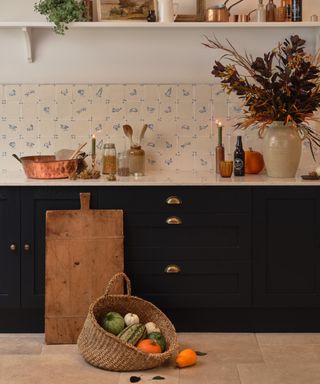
x=230, y=359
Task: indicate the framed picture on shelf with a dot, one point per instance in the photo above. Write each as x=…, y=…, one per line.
x=108, y=10
x=190, y=10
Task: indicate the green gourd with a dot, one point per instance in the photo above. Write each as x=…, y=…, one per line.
x=159, y=339
x=113, y=322
x=133, y=334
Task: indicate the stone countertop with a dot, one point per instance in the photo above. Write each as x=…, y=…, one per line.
x=182, y=178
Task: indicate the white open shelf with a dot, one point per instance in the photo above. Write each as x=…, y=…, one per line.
x=27, y=27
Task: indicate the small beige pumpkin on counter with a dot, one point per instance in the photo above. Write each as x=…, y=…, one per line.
x=131, y=318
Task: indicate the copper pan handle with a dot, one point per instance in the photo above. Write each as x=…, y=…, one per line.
x=231, y=6
x=17, y=157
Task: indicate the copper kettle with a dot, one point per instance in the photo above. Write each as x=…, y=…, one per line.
x=220, y=13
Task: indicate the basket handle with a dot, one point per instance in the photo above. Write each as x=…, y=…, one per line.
x=114, y=279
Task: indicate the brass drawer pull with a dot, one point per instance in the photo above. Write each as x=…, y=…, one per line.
x=172, y=268
x=174, y=200
x=13, y=247
x=27, y=247
x=174, y=220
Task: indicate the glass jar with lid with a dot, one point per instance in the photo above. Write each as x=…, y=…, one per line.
x=136, y=160
x=109, y=166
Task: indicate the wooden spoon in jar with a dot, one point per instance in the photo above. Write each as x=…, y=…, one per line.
x=128, y=131
x=144, y=129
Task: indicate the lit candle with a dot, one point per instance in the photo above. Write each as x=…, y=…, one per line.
x=93, y=148
x=217, y=123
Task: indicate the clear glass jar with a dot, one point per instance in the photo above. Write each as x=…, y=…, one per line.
x=109, y=166
x=123, y=164
x=136, y=160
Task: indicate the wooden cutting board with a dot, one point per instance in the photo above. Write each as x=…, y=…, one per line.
x=84, y=249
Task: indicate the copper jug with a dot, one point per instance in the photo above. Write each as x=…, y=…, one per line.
x=220, y=13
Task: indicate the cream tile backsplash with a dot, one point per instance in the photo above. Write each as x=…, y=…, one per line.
x=41, y=119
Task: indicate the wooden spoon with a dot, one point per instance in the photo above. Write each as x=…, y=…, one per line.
x=145, y=127
x=128, y=131
x=75, y=153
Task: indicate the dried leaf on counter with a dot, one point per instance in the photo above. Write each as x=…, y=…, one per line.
x=135, y=379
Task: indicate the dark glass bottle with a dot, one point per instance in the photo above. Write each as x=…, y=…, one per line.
x=296, y=9
x=271, y=11
x=152, y=16
x=239, y=164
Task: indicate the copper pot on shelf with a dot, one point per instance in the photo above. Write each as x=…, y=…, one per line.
x=242, y=18
x=220, y=13
x=47, y=167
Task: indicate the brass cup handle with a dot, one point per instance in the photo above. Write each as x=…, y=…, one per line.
x=172, y=268
x=174, y=200
x=174, y=220
x=13, y=247
x=27, y=247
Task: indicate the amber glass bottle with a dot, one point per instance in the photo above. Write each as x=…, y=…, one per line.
x=271, y=11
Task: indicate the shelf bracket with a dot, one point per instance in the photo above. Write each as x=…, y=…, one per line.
x=27, y=31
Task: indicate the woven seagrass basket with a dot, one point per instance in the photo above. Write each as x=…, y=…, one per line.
x=106, y=351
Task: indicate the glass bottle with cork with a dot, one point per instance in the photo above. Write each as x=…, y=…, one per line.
x=219, y=147
x=261, y=12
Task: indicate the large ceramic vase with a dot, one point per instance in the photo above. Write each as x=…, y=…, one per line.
x=281, y=149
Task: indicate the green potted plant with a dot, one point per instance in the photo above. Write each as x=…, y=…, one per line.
x=62, y=12
x=280, y=93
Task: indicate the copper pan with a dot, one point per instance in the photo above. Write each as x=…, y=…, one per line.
x=47, y=167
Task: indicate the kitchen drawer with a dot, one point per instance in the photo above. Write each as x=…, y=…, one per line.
x=193, y=199
x=198, y=285
x=196, y=230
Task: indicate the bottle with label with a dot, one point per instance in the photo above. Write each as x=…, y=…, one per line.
x=296, y=10
x=219, y=148
x=271, y=11
x=151, y=18
x=261, y=12
x=239, y=162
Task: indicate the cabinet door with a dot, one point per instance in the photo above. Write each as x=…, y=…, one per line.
x=35, y=203
x=9, y=248
x=211, y=245
x=286, y=242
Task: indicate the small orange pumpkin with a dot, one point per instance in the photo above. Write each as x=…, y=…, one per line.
x=186, y=358
x=253, y=162
x=149, y=346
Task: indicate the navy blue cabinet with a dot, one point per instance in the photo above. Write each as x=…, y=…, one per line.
x=204, y=233
x=286, y=247
x=244, y=258
x=9, y=248
x=34, y=204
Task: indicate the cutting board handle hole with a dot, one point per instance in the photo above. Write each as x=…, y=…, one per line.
x=85, y=200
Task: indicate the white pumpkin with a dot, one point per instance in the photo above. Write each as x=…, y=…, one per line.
x=151, y=327
x=131, y=318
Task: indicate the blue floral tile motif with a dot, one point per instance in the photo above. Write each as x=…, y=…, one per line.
x=181, y=135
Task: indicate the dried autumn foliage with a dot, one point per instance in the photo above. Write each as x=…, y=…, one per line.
x=283, y=85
